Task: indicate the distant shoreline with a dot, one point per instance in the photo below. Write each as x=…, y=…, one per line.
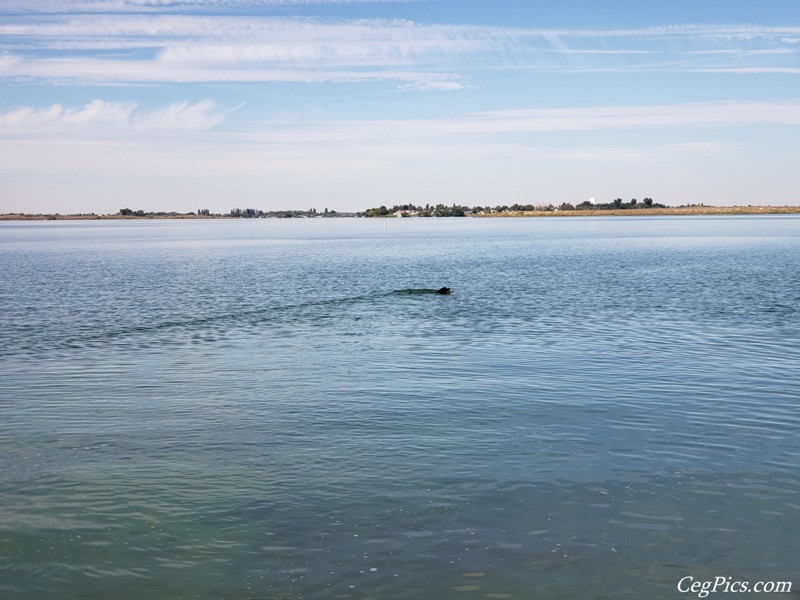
x=677, y=210
x=668, y=211
x=117, y=217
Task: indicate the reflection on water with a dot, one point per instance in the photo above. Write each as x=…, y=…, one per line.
x=250, y=410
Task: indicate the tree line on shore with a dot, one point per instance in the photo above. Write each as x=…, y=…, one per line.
x=252, y=213
x=240, y=213
x=440, y=210
x=405, y=210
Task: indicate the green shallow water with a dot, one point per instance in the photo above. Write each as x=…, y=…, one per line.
x=250, y=409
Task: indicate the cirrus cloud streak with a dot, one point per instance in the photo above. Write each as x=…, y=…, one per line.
x=110, y=119
x=120, y=118
x=200, y=48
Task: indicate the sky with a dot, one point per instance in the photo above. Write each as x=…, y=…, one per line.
x=181, y=105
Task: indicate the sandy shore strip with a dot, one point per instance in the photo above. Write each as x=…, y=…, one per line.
x=643, y=212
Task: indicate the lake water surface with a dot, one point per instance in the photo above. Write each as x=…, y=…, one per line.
x=259, y=409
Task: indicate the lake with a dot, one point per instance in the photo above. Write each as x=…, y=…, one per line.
x=219, y=409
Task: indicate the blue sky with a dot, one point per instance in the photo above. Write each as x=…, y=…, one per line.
x=348, y=104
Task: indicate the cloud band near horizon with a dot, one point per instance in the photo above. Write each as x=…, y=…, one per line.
x=110, y=119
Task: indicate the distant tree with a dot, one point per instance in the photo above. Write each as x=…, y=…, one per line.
x=648, y=202
x=633, y=201
x=566, y=206
x=440, y=210
x=382, y=211
x=125, y=212
x=617, y=202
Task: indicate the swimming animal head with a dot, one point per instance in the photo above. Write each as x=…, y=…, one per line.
x=444, y=290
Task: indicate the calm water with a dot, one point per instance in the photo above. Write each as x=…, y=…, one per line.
x=257, y=409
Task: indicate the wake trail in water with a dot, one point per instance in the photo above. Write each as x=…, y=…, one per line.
x=215, y=325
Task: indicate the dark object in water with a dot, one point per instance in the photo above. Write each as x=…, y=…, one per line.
x=443, y=290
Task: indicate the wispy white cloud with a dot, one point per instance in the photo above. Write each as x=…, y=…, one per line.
x=193, y=48
x=514, y=123
x=618, y=117
x=699, y=31
x=165, y=27
x=751, y=70
x=123, y=6
x=7, y=61
x=744, y=52
x=106, y=119
x=104, y=71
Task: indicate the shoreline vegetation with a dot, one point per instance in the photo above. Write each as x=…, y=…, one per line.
x=586, y=209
